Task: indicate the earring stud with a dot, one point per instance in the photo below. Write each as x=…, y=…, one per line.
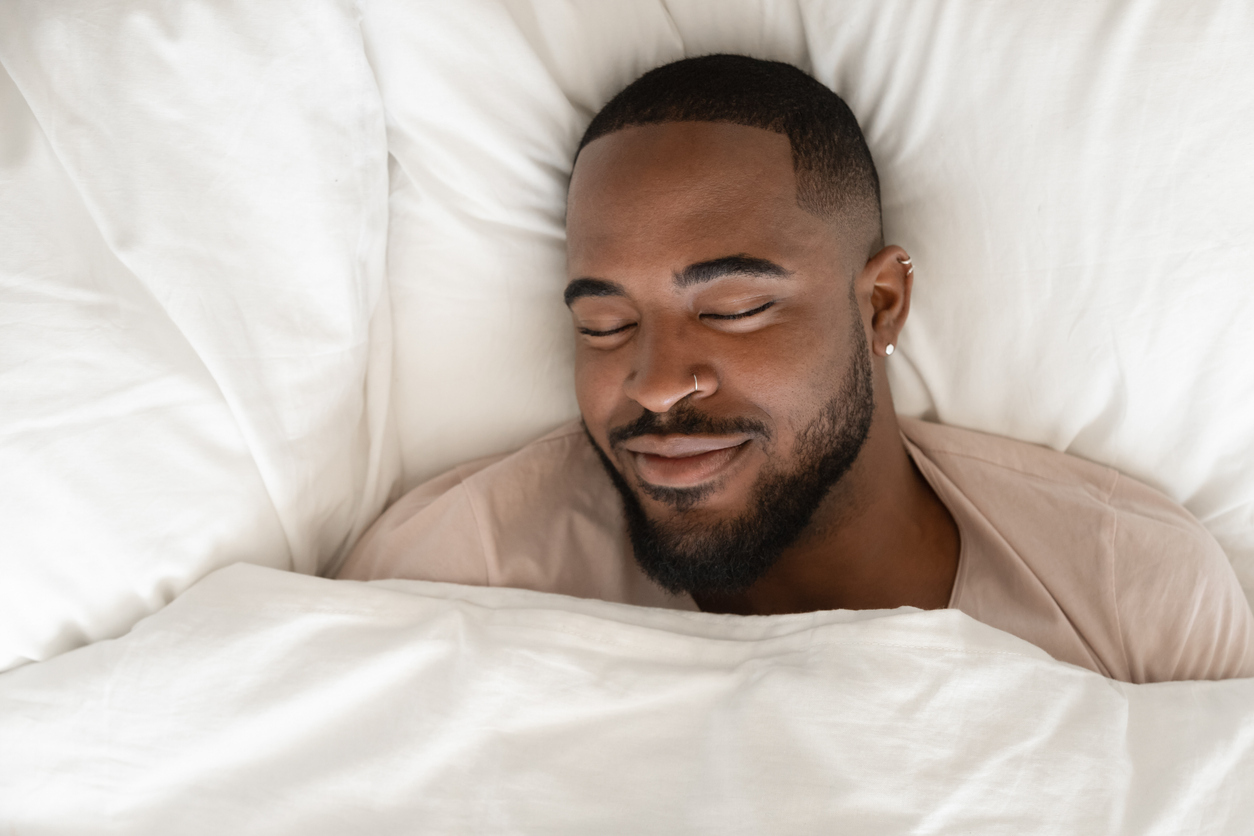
x=888, y=350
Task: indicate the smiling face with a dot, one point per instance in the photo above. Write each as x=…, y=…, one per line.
x=722, y=367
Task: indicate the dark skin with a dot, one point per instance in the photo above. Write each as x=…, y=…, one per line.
x=761, y=334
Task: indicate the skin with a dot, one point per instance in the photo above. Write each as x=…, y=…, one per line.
x=647, y=203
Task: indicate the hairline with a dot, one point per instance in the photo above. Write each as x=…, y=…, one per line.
x=844, y=218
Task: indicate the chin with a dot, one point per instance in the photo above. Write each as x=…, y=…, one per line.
x=709, y=503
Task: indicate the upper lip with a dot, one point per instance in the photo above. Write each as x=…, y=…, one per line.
x=680, y=446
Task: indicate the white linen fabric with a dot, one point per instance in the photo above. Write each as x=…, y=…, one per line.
x=265, y=702
x=232, y=326
x=195, y=344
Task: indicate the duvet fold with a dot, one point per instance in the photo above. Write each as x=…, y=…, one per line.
x=269, y=702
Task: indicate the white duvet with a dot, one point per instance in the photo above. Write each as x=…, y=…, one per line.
x=263, y=265
x=263, y=702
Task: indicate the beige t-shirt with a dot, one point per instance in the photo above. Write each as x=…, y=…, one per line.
x=1096, y=569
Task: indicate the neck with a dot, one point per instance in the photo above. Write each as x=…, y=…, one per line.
x=881, y=539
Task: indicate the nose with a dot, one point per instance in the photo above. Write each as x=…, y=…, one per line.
x=664, y=370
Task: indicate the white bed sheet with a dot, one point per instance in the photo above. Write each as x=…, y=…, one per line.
x=195, y=340
x=265, y=702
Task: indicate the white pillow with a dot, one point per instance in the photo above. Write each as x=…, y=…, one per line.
x=1072, y=180
x=193, y=221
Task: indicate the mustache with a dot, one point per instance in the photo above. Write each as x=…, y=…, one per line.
x=684, y=419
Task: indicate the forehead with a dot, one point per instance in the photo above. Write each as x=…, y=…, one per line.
x=657, y=195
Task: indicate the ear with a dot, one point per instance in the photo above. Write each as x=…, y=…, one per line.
x=887, y=280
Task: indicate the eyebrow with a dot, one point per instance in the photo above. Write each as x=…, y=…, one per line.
x=732, y=265
x=579, y=288
x=702, y=271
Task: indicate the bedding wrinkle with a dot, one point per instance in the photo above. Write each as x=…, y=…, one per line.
x=122, y=250
x=250, y=238
x=124, y=401
x=378, y=470
x=384, y=698
x=881, y=94
x=672, y=27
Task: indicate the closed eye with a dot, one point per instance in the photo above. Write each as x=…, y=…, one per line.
x=588, y=332
x=740, y=315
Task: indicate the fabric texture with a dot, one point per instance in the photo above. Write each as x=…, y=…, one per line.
x=261, y=265
x=195, y=345
x=266, y=702
x=1096, y=569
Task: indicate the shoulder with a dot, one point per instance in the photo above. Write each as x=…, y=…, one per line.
x=545, y=517
x=1085, y=529
x=439, y=529
x=1182, y=611
x=992, y=457
x=563, y=461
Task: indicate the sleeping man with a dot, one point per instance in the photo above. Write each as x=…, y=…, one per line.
x=735, y=308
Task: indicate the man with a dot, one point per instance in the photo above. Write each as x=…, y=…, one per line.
x=735, y=308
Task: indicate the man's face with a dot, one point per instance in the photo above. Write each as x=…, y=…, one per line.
x=722, y=367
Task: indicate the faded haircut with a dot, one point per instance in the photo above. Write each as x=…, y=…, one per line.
x=836, y=178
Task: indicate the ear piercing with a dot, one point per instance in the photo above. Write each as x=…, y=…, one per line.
x=695, y=386
x=908, y=263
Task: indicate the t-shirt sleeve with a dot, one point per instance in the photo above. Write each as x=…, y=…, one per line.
x=1182, y=612
x=431, y=534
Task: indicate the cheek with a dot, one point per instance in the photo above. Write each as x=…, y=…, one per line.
x=790, y=375
x=596, y=390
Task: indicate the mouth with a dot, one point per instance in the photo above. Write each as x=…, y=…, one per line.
x=684, y=461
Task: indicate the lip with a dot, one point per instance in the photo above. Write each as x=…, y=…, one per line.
x=684, y=461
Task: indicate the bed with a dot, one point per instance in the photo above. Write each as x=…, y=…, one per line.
x=266, y=266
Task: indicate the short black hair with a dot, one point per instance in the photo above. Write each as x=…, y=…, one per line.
x=835, y=173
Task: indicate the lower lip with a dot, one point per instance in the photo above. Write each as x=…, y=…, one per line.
x=686, y=472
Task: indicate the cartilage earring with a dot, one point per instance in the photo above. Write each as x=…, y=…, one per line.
x=888, y=349
x=908, y=264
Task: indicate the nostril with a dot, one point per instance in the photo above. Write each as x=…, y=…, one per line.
x=658, y=394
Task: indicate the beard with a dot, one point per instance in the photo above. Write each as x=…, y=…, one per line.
x=728, y=556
